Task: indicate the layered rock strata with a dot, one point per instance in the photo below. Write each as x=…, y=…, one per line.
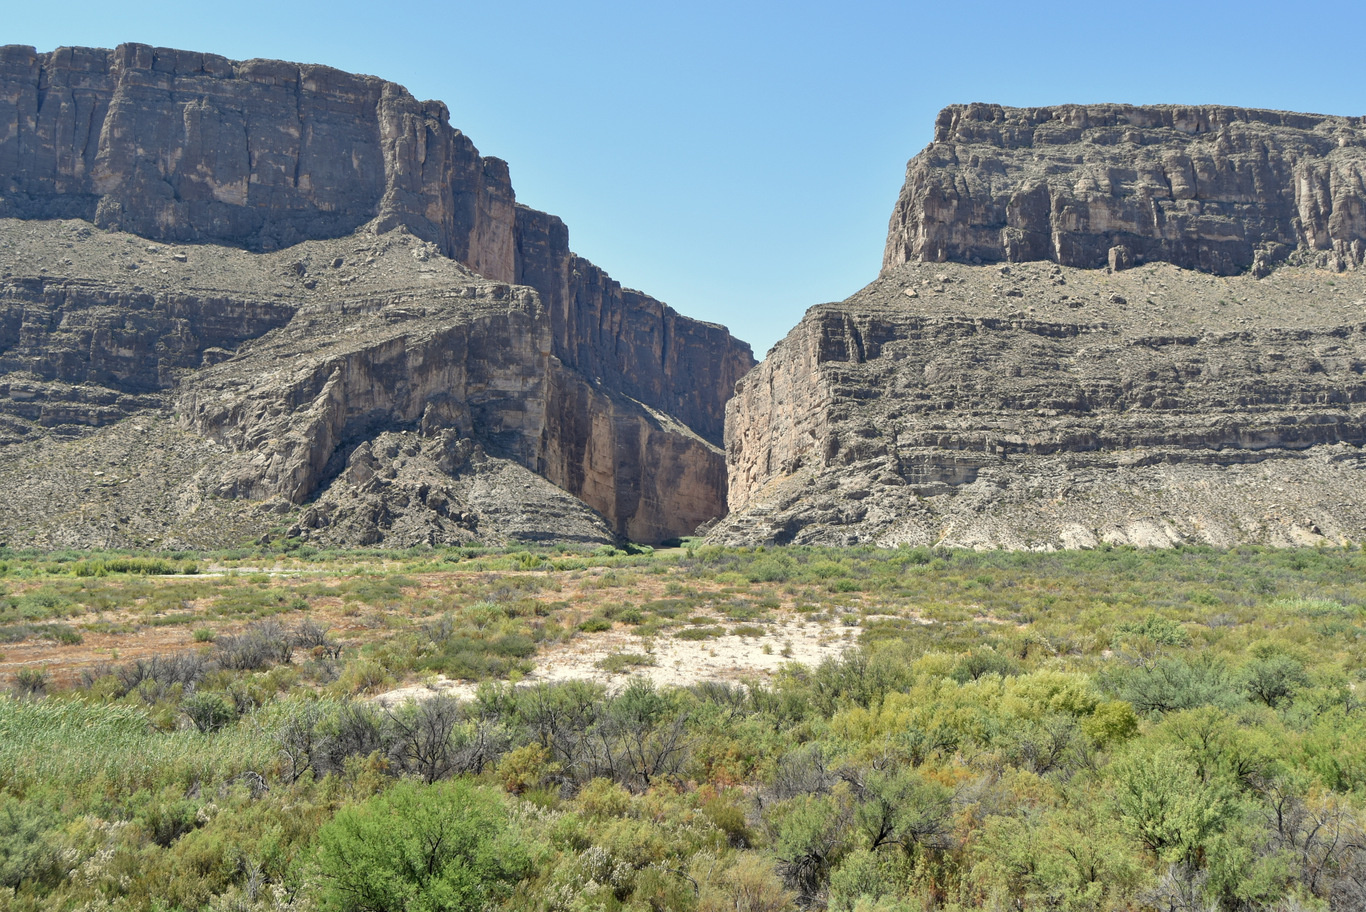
x=178, y=146
x=385, y=396
x=1037, y=406
x=1218, y=189
x=1189, y=367
x=303, y=266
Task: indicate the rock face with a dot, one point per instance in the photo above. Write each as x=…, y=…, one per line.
x=359, y=273
x=178, y=146
x=1137, y=400
x=1222, y=190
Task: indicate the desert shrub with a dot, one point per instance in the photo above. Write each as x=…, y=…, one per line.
x=981, y=662
x=810, y=835
x=1274, y=678
x=58, y=633
x=1174, y=683
x=1163, y=631
x=700, y=633
x=750, y=885
x=261, y=645
x=619, y=662
x=30, y=682
x=771, y=569
x=39, y=605
x=29, y=851
x=526, y=767
x=415, y=848
x=314, y=639
x=1167, y=806
x=208, y=712
x=161, y=673
x=434, y=739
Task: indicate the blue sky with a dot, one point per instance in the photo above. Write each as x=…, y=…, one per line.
x=740, y=160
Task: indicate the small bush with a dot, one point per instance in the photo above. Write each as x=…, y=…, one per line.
x=1163, y=631
x=31, y=682
x=442, y=847
x=624, y=661
x=208, y=712
x=700, y=633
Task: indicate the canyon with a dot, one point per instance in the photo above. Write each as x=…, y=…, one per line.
x=256, y=300
x=309, y=300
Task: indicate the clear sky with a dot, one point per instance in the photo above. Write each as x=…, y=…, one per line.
x=740, y=160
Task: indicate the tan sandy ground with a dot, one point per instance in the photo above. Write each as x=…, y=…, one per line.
x=734, y=659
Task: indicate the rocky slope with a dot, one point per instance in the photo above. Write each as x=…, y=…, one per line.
x=289, y=266
x=1037, y=405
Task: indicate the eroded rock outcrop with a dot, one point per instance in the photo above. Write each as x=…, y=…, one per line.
x=303, y=266
x=179, y=146
x=1158, y=382
x=1051, y=407
x=1218, y=189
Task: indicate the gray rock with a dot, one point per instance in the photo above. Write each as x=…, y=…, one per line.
x=360, y=271
x=1173, y=407
x=1201, y=187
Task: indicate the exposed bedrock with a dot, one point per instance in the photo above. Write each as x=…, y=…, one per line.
x=470, y=373
x=187, y=147
x=1189, y=367
x=321, y=312
x=1218, y=189
x=1037, y=406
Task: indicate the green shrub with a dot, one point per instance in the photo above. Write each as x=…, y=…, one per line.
x=1163, y=631
x=624, y=661
x=31, y=682
x=700, y=633
x=208, y=712
x=1274, y=679
x=440, y=848
x=1174, y=683
x=28, y=849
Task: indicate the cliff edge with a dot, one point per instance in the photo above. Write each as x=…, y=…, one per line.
x=1094, y=324
x=168, y=218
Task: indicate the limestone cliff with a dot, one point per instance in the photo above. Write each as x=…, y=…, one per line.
x=1218, y=189
x=178, y=146
x=359, y=272
x=1136, y=390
